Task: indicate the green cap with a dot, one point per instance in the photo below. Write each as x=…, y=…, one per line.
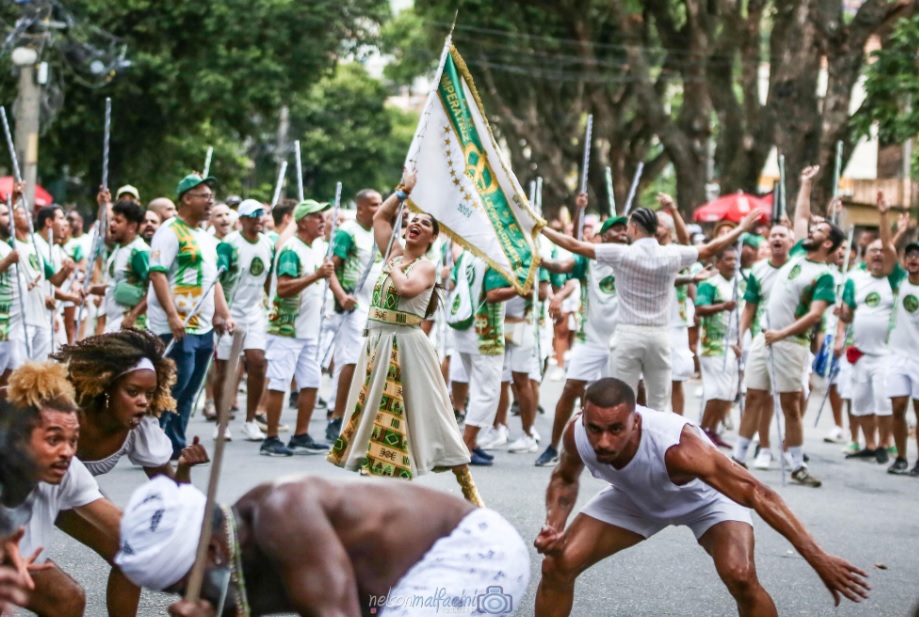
x=310, y=206
x=191, y=181
x=751, y=240
x=611, y=221
x=912, y=246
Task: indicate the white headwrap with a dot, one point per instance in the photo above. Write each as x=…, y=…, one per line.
x=159, y=533
x=144, y=364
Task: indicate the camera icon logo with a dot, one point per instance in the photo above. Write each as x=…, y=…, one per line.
x=495, y=602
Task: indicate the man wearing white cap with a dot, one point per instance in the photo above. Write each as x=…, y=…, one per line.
x=293, y=329
x=312, y=547
x=128, y=192
x=248, y=256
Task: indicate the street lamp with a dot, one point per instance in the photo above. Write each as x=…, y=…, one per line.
x=27, y=115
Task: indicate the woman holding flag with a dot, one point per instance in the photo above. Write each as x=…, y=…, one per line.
x=402, y=424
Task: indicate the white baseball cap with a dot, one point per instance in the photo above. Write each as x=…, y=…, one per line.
x=130, y=190
x=249, y=207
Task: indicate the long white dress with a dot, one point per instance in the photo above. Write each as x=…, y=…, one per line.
x=401, y=423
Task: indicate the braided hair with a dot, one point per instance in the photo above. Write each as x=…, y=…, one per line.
x=95, y=364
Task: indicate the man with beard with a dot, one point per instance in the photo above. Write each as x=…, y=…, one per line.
x=803, y=289
x=662, y=471
x=152, y=222
x=759, y=286
x=248, y=256
x=444, y=555
x=599, y=304
x=903, y=376
x=127, y=270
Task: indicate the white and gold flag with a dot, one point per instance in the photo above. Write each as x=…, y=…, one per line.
x=464, y=181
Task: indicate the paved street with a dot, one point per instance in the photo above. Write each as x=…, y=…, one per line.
x=860, y=513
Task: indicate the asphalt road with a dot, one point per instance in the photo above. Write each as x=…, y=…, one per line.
x=861, y=513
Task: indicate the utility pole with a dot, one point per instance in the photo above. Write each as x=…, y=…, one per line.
x=27, y=110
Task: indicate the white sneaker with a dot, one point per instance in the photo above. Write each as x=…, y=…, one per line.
x=498, y=440
x=835, y=436
x=252, y=432
x=763, y=460
x=228, y=436
x=534, y=434
x=557, y=373
x=524, y=444
x=486, y=436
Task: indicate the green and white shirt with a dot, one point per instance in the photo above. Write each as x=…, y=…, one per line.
x=10, y=315
x=904, y=334
x=759, y=286
x=127, y=265
x=798, y=284
x=872, y=299
x=35, y=273
x=354, y=244
x=248, y=266
x=297, y=316
x=486, y=337
x=599, y=300
x=716, y=290
x=188, y=257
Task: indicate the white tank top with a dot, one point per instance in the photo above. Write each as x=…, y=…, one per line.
x=644, y=480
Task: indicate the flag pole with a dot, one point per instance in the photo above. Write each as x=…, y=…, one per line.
x=837, y=173
x=782, y=185
x=207, y=161
x=279, y=184
x=588, y=136
x=634, y=188
x=608, y=174
x=297, y=160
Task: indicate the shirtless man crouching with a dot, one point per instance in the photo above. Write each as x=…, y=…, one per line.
x=308, y=546
x=663, y=471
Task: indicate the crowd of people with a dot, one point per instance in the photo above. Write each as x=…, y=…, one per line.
x=113, y=337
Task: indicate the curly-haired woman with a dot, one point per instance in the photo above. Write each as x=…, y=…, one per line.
x=122, y=382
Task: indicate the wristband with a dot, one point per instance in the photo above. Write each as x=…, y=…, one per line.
x=402, y=195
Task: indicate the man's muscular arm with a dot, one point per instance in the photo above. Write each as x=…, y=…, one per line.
x=323, y=587
x=693, y=457
x=562, y=493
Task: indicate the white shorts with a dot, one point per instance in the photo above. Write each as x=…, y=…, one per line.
x=519, y=359
x=292, y=359
x=719, y=378
x=903, y=377
x=481, y=568
x=843, y=379
x=614, y=507
x=869, y=388
x=350, y=337
x=681, y=360
x=484, y=386
x=40, y=340
x=790, y=361
x=588, y=362
x=458, y=372
x=8, y=357
x=256, y=330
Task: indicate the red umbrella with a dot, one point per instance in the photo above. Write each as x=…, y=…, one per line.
x=732, y=207
x=42, y=197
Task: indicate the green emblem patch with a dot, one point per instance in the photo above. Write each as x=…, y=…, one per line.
x=911, y=303
x=795, y=272
x=456, y=306
x=33, y=261
x=873, y=299
x=608, y=285
x=256, y=267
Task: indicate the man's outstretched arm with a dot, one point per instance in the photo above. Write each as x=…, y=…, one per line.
x=570, y=244
x=697, y=458
x=562, y=493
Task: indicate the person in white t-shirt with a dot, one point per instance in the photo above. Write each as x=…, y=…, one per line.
x=45, y=424
x=248, y=255
x=293, y=329
x=903, y=375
